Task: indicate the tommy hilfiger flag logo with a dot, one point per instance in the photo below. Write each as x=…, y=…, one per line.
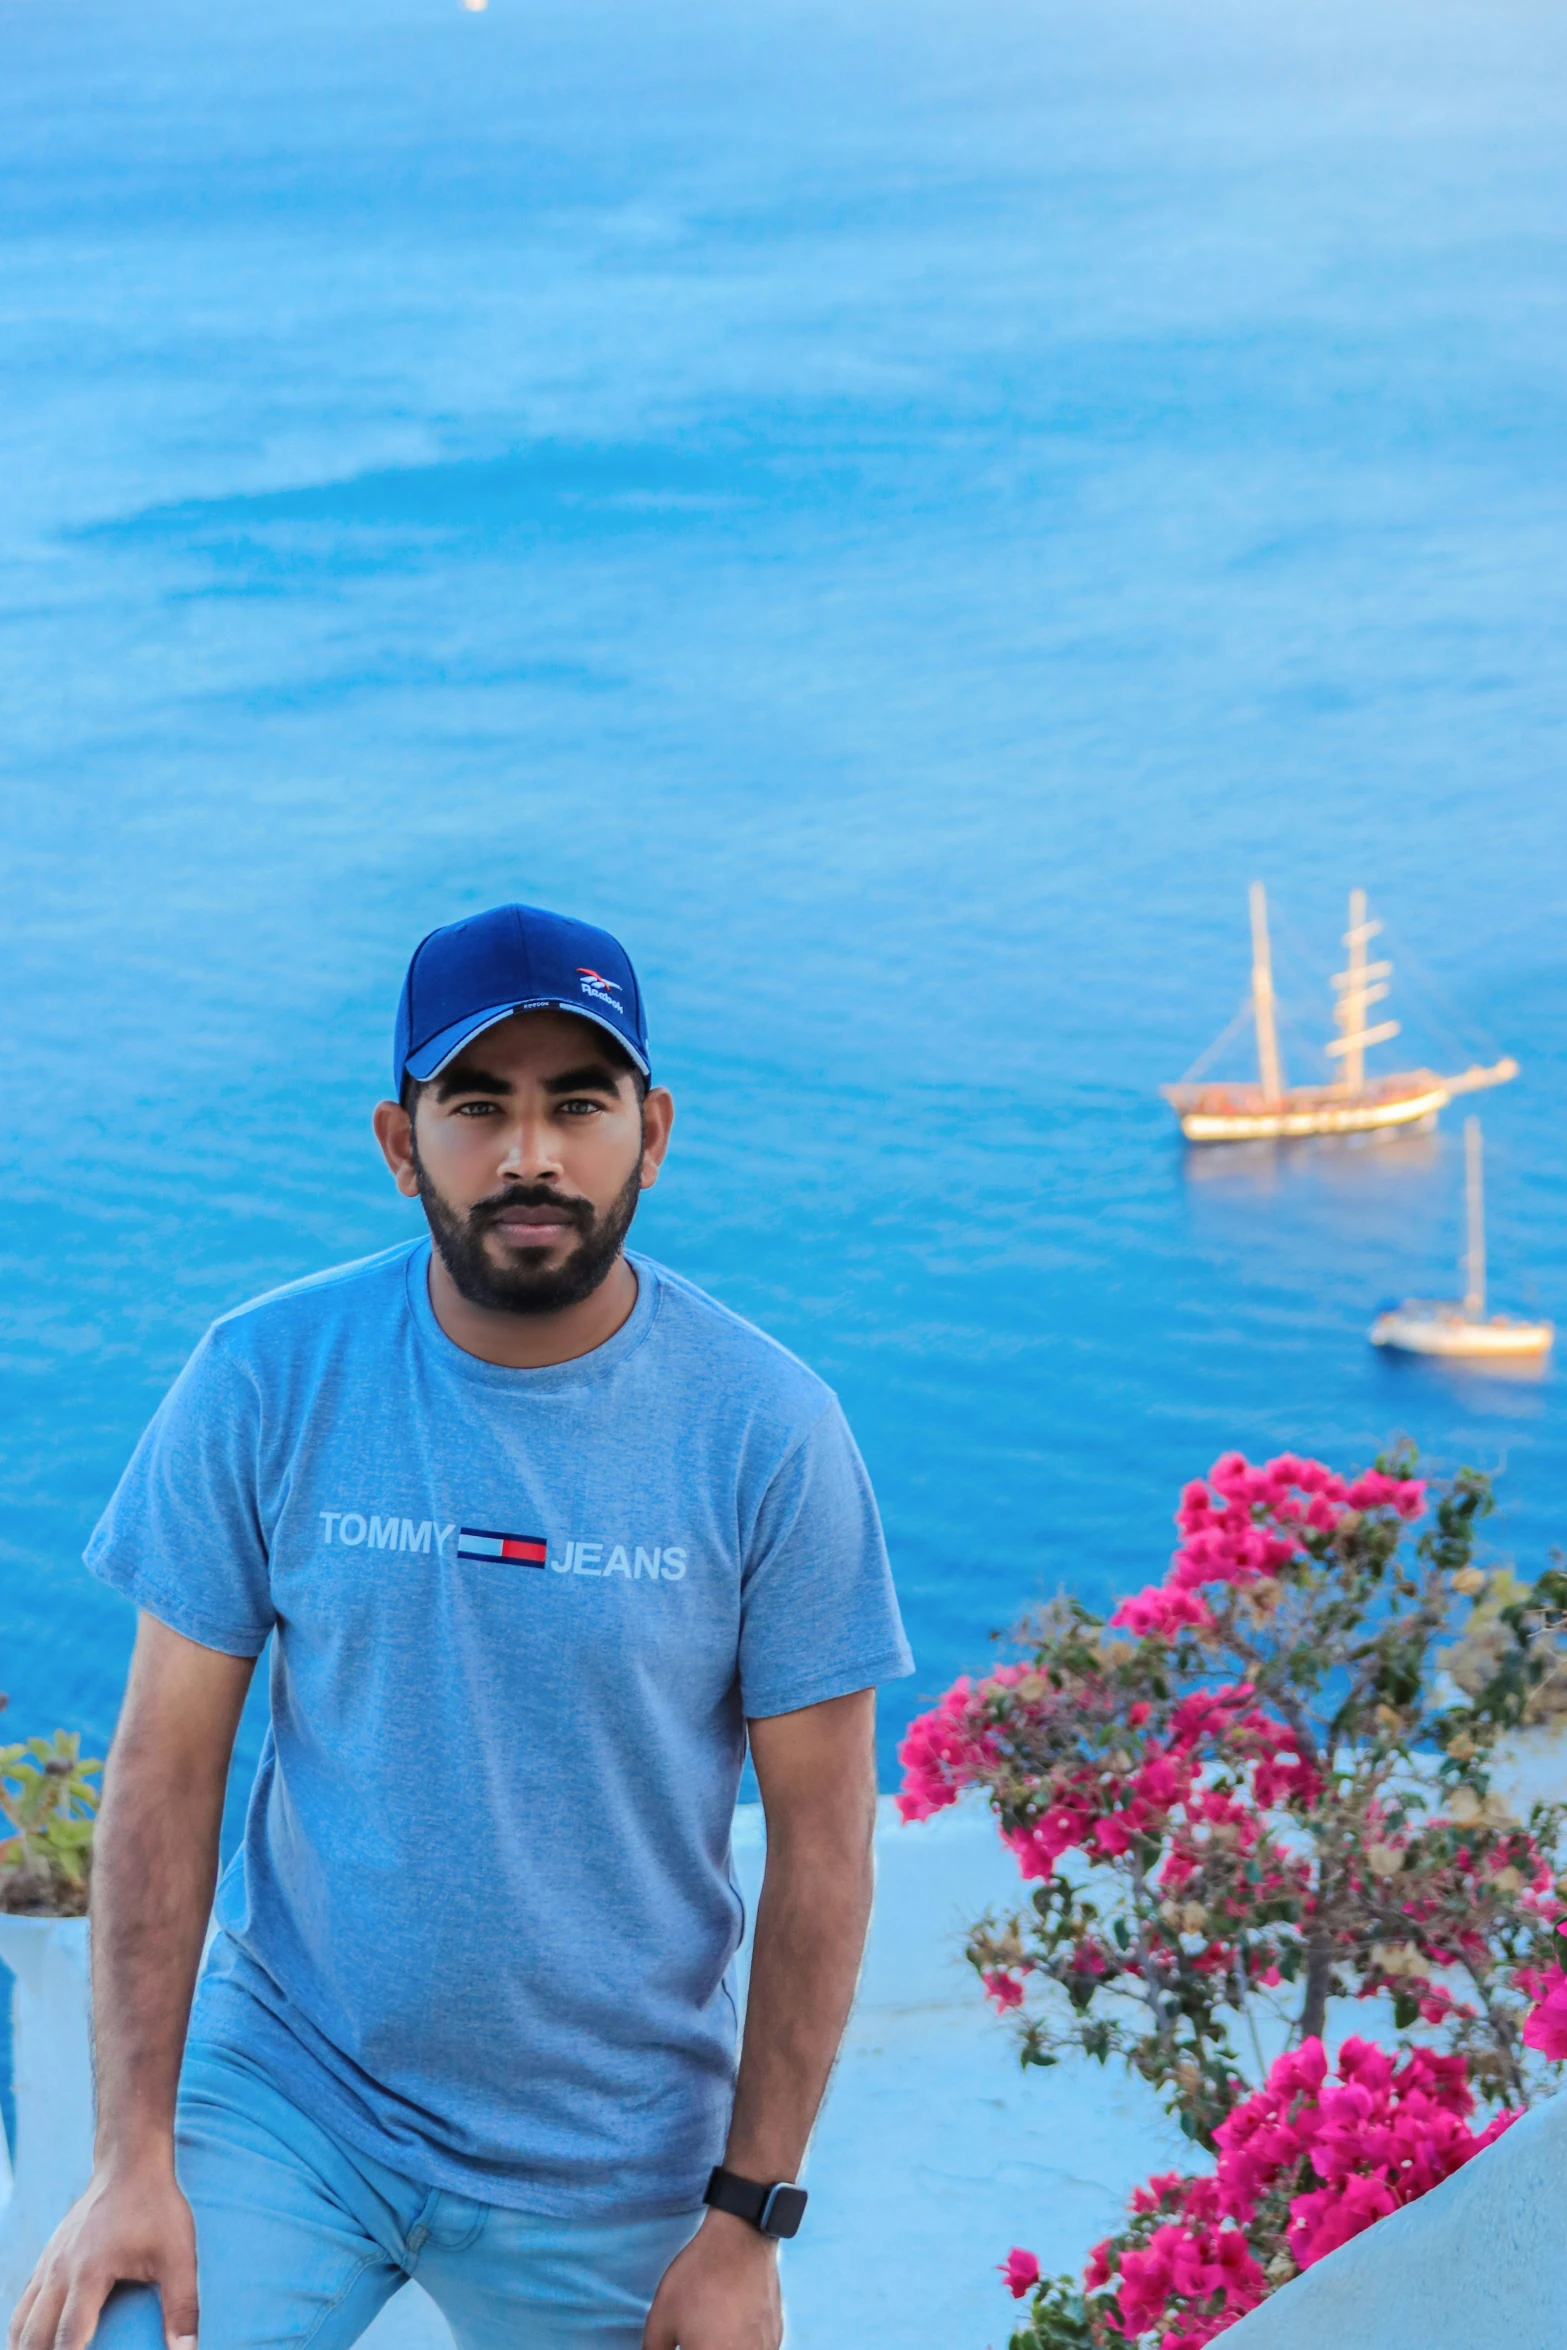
x=517, y=1550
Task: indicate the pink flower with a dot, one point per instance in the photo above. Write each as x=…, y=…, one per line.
x=1098, y=2272
x=1377, y=1491
x=940, y=1755
x=1038, y=1848
x=1546, y=2028
x=1148, y=2279
x=1001, y=1989
x=1021, y=2271
x=1158, y=1612
x=1320, y=2223
x=1159, y=1782
x=1244, y=1522
x=1166, y=2186
x=1377, y=2137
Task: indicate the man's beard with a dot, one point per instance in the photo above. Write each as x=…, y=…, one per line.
x=520, y=1288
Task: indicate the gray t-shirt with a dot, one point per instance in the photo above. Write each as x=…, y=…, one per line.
x=483, y=1916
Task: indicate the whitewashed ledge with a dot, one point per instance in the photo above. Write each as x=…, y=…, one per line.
x=935, y=2153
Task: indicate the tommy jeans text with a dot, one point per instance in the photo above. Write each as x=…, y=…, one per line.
x=637, y=1562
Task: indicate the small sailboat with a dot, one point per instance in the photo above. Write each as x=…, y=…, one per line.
x=1425, y=1326
x=1356, y=1104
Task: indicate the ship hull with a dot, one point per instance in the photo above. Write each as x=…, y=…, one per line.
x=1431, y=1330
x=1297, y=1116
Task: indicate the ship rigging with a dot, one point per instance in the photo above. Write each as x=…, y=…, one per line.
x=1270, y=1109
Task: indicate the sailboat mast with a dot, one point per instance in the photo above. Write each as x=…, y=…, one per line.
x=1358, y=988
x=1474, y=1260
x=1268, y=1064
x=1352, y=1005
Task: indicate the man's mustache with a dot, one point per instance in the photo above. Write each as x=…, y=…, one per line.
x=571, y=1211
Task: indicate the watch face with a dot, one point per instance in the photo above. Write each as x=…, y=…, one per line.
x=784, y=2210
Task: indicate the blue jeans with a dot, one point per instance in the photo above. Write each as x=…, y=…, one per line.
x=300, y=2241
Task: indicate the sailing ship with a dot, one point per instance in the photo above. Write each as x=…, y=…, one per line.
x=1354, y=1103
x=1425, y=1326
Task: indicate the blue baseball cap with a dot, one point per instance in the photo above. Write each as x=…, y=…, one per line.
x=513, y=959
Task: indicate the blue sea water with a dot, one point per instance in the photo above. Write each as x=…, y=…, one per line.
x=900, y=509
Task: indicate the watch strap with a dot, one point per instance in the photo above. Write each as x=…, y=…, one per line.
x=775, y=2210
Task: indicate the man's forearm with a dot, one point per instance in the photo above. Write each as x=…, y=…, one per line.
x=810, y=1937
x=817, y=1772
x=153, y=1875
x=154, y=1867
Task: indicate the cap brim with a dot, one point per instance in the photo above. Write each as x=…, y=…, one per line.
x=432, y=1056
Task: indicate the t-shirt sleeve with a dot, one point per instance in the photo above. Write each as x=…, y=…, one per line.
x=818, y=1615
x=182, y=1536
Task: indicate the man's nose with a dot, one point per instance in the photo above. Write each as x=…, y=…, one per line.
x=531, y=1154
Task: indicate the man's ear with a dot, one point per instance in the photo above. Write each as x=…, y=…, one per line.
x=394, y=1131
x=658, y=1118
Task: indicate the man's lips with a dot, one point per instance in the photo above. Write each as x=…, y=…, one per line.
x=533, y=1228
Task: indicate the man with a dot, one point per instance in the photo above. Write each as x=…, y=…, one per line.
x=539, y=1533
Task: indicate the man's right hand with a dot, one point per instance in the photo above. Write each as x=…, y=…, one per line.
x=130, y=2227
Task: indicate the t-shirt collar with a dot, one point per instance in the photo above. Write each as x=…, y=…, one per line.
x=548, y=1376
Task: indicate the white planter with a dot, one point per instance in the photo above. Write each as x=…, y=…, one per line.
x=52, y=2064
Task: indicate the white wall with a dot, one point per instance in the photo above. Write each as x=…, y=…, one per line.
x=53, y=2084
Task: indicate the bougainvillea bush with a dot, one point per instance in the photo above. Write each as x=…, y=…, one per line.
x=1251, y=1791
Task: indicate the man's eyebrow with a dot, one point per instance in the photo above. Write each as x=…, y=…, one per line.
x=466, y=1079
x=593, y=1076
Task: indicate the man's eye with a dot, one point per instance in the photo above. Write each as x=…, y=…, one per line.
x=576, y=1108
x=476, y=1109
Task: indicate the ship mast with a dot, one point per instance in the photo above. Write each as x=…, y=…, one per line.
x=1269, y=1067
x=1358, y=988
x=1474, y=1256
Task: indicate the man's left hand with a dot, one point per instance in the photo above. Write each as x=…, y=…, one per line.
x=720, y=2293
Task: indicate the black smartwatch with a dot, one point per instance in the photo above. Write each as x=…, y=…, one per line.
x=776, y=2210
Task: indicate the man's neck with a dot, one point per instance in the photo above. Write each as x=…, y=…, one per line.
x=530, y=1342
